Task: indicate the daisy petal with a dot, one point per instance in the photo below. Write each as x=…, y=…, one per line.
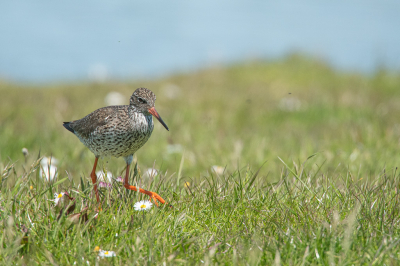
x=105, y=253
x=143, y=205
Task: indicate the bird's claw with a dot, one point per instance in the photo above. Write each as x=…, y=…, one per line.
x=156, y=197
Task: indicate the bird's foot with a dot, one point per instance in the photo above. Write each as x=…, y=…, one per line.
x=155, y=197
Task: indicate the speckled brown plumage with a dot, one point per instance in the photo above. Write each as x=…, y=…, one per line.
x=118, y=131
x=114, y=131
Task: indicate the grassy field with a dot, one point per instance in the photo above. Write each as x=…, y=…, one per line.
x=306, y=171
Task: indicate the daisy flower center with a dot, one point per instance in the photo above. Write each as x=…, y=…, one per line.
x=106, y=252
x=142, y=206
x=59, y=195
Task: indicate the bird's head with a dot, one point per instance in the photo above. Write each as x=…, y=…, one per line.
x=142, y=100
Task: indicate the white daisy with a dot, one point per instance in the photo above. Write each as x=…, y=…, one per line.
x=49, y=172
x=143, y=205
x=151, y=172
x=58, y=197
x=219, y=170
x=48, y=161
x=114, y=98
x=48, y=169
x=104, y=254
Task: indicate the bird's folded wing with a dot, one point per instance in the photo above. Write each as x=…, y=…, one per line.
x=94, y=121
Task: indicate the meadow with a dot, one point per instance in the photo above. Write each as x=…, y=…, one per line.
x=285, y=162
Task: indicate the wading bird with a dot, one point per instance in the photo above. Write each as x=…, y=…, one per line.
x=119, y=131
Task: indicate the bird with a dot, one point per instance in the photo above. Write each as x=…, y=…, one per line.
x=119, y=131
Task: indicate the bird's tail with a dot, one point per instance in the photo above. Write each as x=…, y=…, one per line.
x=67, y=126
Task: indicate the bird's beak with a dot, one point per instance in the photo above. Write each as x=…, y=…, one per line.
x=153, y=111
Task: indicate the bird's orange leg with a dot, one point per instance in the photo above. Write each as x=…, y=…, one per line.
x=94, y=179
x=152, y=195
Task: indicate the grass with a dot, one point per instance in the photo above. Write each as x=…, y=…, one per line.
x=310, y=158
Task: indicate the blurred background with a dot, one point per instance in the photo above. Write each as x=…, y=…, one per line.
x=238, y=82
x=68, y=41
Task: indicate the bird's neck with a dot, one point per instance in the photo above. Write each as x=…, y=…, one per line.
x=140, y=118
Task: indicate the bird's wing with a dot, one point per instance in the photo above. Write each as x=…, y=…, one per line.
x=95, y=120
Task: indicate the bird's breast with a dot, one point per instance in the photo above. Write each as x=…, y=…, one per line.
x=140, y=123
x=121, y=137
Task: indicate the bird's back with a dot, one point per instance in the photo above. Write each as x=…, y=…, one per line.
x=113, y=130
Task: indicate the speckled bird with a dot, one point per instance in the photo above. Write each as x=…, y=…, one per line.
x=119, y=131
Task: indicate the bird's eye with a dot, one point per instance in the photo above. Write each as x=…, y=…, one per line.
x=141, y=100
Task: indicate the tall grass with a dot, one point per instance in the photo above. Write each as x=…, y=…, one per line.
x=305, y=218
x=310, y=171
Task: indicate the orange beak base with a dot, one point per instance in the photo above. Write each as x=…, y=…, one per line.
x=153, y=111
